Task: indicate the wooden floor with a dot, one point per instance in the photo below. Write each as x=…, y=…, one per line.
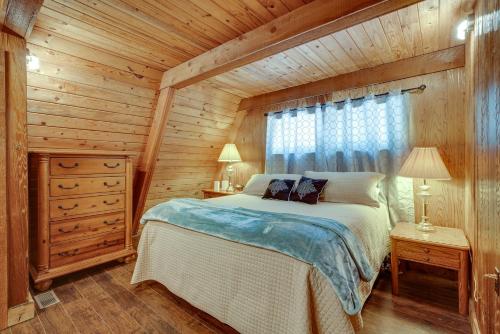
x=101, y=300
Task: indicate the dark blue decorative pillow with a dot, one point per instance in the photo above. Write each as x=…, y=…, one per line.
x=308, y=190
x=279, y=189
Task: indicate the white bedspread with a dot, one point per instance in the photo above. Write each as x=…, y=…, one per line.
x=257, y=290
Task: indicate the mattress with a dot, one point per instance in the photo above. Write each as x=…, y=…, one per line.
x=256, y=290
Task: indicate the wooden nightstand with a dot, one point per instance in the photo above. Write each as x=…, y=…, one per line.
x=210, y=193
x=444, y=247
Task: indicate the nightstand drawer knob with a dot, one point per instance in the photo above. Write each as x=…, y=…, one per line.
x=426, y=250
x=427, y=259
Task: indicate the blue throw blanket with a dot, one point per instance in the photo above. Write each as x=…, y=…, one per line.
x=327, y=244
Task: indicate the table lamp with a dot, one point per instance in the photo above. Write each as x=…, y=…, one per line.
x=229, y=154
x=425, y=163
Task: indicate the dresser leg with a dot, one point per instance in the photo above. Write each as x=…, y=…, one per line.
x=43, y=285
x=126, y=259
x=129, y=259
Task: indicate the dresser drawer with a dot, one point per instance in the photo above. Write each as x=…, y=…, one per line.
x=86, y=227
x=440, y=256
x=87, y=205
x=79, y=166
x=86, y=185
x=74, y=251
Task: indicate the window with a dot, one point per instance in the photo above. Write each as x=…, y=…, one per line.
x=370, y=125
x=285, y=136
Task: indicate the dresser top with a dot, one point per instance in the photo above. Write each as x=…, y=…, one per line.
x=442, y=236
x=80, y=152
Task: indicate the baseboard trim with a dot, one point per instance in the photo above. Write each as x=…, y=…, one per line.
x=473, y=318
x=21, y=312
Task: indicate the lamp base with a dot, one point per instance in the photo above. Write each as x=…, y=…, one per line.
x=425, y=227
x=229, y=170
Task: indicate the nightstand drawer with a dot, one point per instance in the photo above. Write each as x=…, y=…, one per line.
x=440, y=256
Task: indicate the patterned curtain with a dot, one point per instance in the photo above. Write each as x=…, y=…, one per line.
x=369, y=134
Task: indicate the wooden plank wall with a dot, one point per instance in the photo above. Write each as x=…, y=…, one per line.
x=197, y=129
x=87, y=98
x=438, y=120
x=483, y=125
x=90, y=99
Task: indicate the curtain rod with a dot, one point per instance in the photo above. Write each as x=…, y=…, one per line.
x=408, y=90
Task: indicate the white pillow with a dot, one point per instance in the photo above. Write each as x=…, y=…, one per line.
x=258, y=183
x=350, y=187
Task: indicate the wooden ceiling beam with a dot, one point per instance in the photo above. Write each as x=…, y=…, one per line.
x=304, y=24
x=19, y=16
x=425, y=64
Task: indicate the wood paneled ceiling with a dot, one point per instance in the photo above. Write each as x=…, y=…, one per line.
x=418, y=29
x=158, y=33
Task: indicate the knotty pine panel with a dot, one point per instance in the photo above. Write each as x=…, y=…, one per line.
x=438, y=119
x=424, y=27
x=483, y=157
x=88, y=98
x=82, y=102
x=163, y=34
x=197, y=129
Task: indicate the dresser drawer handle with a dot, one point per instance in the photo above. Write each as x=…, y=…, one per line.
x=109, y=223
x=63, y=208
x=73, y=253
x=111, y=185
x=427, y=250
x=68, y=188
x=76, y=227
x=74, y=165
x=113, y=203
x=111, y=166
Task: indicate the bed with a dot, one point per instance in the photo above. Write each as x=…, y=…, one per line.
x=257, y=290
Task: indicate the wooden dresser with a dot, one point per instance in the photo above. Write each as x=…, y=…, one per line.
x=80, y=212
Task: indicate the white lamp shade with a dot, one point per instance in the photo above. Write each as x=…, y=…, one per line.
x=425, y=163
x=229, y=154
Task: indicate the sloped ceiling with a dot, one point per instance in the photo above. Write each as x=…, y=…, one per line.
x=159, y=34
x=418, y=29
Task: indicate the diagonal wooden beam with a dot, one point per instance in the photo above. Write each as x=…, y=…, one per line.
x=146, y=167
x=428, y=63
x=304, y=24
x=19, y=16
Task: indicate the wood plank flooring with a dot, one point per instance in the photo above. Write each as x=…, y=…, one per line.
x=101, y=300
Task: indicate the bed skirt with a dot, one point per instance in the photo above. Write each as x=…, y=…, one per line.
x=253, y=290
